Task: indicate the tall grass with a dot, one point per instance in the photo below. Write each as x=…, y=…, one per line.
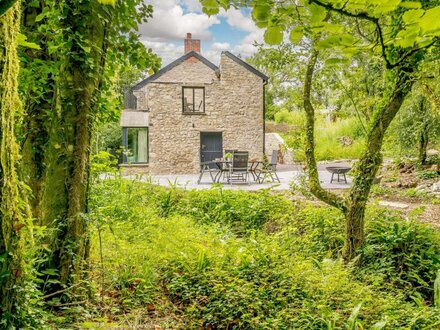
x=328, y=145
x=328, y=135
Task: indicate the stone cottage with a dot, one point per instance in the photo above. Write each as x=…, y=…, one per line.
x=190, y=111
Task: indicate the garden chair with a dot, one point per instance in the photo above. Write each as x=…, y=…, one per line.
x=238, y=170
x=270, y=169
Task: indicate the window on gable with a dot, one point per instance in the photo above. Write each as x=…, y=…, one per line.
x=193, y=100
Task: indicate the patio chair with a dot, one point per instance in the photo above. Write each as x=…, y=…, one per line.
x=239, y=171
x=270, y=169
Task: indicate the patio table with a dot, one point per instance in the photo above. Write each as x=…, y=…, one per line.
x=205, y=167
x=221, y=164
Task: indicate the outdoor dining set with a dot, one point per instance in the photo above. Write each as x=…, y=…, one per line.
x=236, y=167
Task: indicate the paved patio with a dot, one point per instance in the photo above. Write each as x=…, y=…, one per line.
x=286, y=173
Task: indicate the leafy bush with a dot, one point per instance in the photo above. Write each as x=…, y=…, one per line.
x=230, y=259
x=426, y=175
x=241, y=211
x=290, y=117
x=406, y=254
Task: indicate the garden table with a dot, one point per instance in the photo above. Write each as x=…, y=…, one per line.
x=205, y=167
x=222, y=166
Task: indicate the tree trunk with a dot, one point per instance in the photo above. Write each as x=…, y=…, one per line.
x=33, y=153
x=38, y=105
x=67, y=175
x=370, y=162
x=424, y=131
x=75, y=239
x=354, y=206
x=12, y=217
x=423, y=143
x=312, y=168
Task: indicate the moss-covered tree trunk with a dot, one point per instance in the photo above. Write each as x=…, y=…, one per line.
x=67, y=157
x=312, y=168
x=370, y=161
x=424, y=130
x=38, y=100
x=423, y=143
x=354, y=205
x=12, y=216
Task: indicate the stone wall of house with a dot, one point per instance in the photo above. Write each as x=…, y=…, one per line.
x=233, y=106
x=193, y=72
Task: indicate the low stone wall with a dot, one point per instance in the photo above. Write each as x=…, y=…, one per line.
x=273, y=141
x=134, y=169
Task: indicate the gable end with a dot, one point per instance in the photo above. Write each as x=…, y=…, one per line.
x=246, y=65
x=172, y=65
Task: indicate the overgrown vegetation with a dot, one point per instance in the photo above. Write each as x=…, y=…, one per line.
x=82, y=247
x=339, y=139
x=230, y=259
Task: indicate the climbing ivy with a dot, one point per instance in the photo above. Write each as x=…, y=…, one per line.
x=84, y=46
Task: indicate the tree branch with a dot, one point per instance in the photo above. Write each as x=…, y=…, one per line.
x=415, y=50
x=375, y=21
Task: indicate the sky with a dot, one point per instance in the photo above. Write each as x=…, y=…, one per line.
x=232, y=30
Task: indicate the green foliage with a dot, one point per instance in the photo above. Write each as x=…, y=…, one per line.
x=437, y=290
x=108, y=137
x=257, y=260
x=239, y=210
x=426, y=175
x=405, y=253
x=328, y=139
x=290, y=117
x=416, y=117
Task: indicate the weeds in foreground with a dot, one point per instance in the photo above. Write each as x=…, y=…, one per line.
x=230, y=259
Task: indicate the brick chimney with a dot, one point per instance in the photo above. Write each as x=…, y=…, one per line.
x=191, y=44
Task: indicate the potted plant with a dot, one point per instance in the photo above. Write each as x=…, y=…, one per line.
x=228, y=156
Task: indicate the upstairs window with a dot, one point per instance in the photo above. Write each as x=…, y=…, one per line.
x=193, y=100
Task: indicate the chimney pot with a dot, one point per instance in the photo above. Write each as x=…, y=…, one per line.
x=188, y=35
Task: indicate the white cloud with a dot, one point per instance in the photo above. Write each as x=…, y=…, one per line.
x=168, y=51
x=169, y=22
x=212, y=56
x=172, y=19
x=193, y=5
x=236, y=18
x=219, y=46
x=246, y=47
